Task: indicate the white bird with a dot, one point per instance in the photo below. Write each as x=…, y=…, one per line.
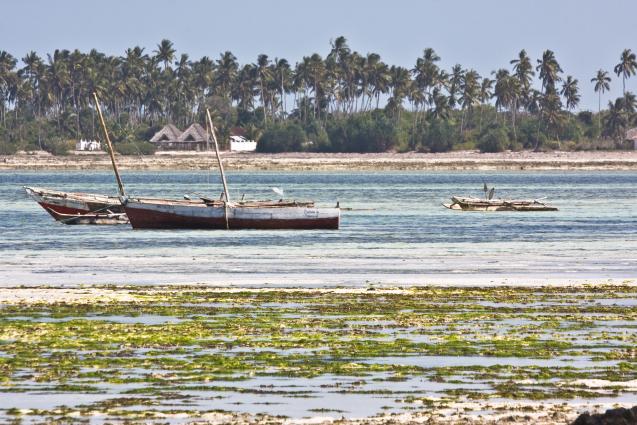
x=278, y=191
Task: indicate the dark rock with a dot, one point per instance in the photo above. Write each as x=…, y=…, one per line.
x=620, y=416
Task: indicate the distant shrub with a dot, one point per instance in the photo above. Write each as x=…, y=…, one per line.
x=494, y=139
x=469, y=141
x=369, y=132
x=7, y=148
x=288, y=137
x=135, y=148
x=438, y=136
x=317, y=138
x=58, y=147
x=585, y=117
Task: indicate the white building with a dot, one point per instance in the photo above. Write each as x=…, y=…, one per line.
x=88, y=145
x=241, y=144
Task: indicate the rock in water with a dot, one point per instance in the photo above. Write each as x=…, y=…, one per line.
x=620, y=416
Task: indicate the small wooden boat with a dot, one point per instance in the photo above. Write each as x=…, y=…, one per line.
x=100, y=218
x=74, y=203
x=488, y=203
x=204, y=213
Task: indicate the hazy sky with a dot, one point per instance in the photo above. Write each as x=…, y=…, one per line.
x=482, y=34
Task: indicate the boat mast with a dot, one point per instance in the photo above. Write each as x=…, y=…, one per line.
x=120, y=185
x=223, y=175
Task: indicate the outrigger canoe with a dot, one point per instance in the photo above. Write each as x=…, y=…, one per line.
x=478, y=204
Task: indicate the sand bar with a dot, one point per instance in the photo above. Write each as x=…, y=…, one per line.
x=412, y=161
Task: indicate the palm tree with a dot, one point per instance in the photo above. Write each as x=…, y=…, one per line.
x=132, y=69
x=366, y=67
x=626, y=67
x=441, y=108
x=469, y=93
x=339, y=64
x=400, y=84
x=549, y=70
x=523, y=71
x=264, y=74
x=300, y=83
x=283, y=77
x=453, y=84
x=227, y=69
x=33, y=73
x=629, y=102
x=244, y=90
x=317, y=75
x=570, y=92
x=551, y=111
x=601, y=81
x=486, y=93
x=616, y=121
x=379, y=80
x=506, y=93
x=165, y=52
x=203, y=77
x=8, y=83
x=426, y=71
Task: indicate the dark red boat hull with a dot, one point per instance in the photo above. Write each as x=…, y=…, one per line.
x=52, y=209
x=145, y=219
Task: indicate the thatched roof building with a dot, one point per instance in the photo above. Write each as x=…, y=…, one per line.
x=194, y=138
x=168, y=134
x=194, y=133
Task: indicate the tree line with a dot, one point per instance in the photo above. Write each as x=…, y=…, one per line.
x=344, y=101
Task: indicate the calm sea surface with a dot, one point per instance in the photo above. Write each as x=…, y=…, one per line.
x=406, y=238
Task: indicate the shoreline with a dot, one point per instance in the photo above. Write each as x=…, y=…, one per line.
x=301, y=161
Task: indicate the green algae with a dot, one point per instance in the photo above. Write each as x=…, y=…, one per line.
x=215, y=337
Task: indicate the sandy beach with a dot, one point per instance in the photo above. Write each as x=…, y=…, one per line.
x=412, y=161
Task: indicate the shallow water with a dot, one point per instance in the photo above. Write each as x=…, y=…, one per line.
x=408, y=237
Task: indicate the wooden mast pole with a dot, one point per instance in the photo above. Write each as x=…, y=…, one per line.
x=120, y=185
x=223, y=175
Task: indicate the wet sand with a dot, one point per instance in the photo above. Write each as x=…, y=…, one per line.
x=461, y=160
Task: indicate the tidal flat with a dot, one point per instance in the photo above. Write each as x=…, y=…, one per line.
x=201, y=354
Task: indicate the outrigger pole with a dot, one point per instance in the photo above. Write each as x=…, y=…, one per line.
x=223, y=175
x=120, y=185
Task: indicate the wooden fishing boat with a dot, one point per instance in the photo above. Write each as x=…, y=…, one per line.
x=73, y=203
x=204, y=213
x=100, y=218
x=478, y=204
x=191, y=214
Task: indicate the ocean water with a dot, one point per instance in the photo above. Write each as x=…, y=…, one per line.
x=397, y=232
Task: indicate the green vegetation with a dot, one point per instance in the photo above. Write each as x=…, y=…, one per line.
x=343, y=102
x=172, y=347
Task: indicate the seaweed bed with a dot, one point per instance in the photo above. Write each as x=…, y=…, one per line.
x=197, y=354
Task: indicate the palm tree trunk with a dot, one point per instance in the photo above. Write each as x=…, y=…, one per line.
x=480, y=121
x=624, y=84
x=513, y=111
x=599, y=110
